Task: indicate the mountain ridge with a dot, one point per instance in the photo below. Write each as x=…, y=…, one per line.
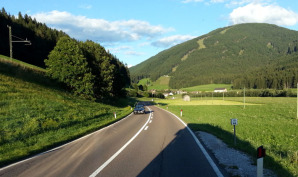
x=221, y=55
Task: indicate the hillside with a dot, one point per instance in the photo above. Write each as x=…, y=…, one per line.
x=36, y=114
x=223, y=55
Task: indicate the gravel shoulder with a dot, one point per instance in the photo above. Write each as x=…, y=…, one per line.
x=236, y=163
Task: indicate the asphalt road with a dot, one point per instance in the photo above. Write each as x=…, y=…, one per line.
x=152, y=144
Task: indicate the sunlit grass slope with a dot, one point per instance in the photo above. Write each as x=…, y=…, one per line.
x=36, y=116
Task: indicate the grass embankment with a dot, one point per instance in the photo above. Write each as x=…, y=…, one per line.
x=35, y=116
x=270, y=122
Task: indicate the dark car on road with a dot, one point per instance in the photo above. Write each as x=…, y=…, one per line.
x=139, y=109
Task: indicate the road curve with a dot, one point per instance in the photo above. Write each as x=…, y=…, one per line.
x=153, y=144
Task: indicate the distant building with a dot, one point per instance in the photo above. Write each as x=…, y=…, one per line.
x=220, y=90
x=186, y=98
x=181, y=92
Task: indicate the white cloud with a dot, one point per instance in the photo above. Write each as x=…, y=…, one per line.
x=217, y=1
x=119, y=49
x=189, y=1
x=134, y=53
x=262, y=13
x=85, y=6
x=172, y=40
x=238, y=3
x=126, y=50
x=83, y=28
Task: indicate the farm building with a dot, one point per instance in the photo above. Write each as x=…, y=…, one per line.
x=220, y=90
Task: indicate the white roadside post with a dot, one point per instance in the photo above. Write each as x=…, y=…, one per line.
x=234, y=122
x=261, y=152
x=181, y=112
x=115, y=115
x=244, y=98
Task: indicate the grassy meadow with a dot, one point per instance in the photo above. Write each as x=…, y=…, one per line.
x=35, y=117
x=160, y=84
x=266, y=121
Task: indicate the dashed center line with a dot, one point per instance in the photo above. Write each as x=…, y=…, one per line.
x=146, y=127
x=150, y=121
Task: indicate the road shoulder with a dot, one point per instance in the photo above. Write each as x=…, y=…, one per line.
x=236, y=163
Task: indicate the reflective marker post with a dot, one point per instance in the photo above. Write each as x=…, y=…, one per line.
x=181, y=112
x=115, y=115
x=261, y=152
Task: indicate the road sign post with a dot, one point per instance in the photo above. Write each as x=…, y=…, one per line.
x=261, y=152
x=234, y=122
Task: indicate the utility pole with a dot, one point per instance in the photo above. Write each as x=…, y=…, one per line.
x=11, y=41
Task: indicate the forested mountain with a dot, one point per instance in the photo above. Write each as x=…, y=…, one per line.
x=43, y=39
x=251, y=55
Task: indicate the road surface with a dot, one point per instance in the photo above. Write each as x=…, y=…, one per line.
x=152, y=144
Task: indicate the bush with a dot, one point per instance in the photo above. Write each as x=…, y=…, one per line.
x=87, y=69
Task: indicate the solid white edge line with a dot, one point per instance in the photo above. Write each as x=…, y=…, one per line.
x=211, y=162
x=83, y=137
x=96, y=172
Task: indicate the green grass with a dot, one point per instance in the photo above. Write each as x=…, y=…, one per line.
x=270, y=122
x=209, y=87
x=145, y=81
x=5, y=59
x=160, y=84
x=36, y=114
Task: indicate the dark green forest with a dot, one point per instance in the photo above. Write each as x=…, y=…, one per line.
x=84, y=68
x=43, y=39
x=246, y=55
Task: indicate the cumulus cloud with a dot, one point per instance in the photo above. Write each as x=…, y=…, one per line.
x=263, y=13
x=83, y=28
x=171, y=40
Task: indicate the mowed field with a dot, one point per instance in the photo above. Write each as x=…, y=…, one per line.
x=160, y=84
x=271, y=122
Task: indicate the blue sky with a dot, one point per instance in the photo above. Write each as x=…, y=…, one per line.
x=135, y=30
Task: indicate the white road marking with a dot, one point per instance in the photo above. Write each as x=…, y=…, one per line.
x=96, y=172
x=213, y=165
x=146, y=127
x=150, y=121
